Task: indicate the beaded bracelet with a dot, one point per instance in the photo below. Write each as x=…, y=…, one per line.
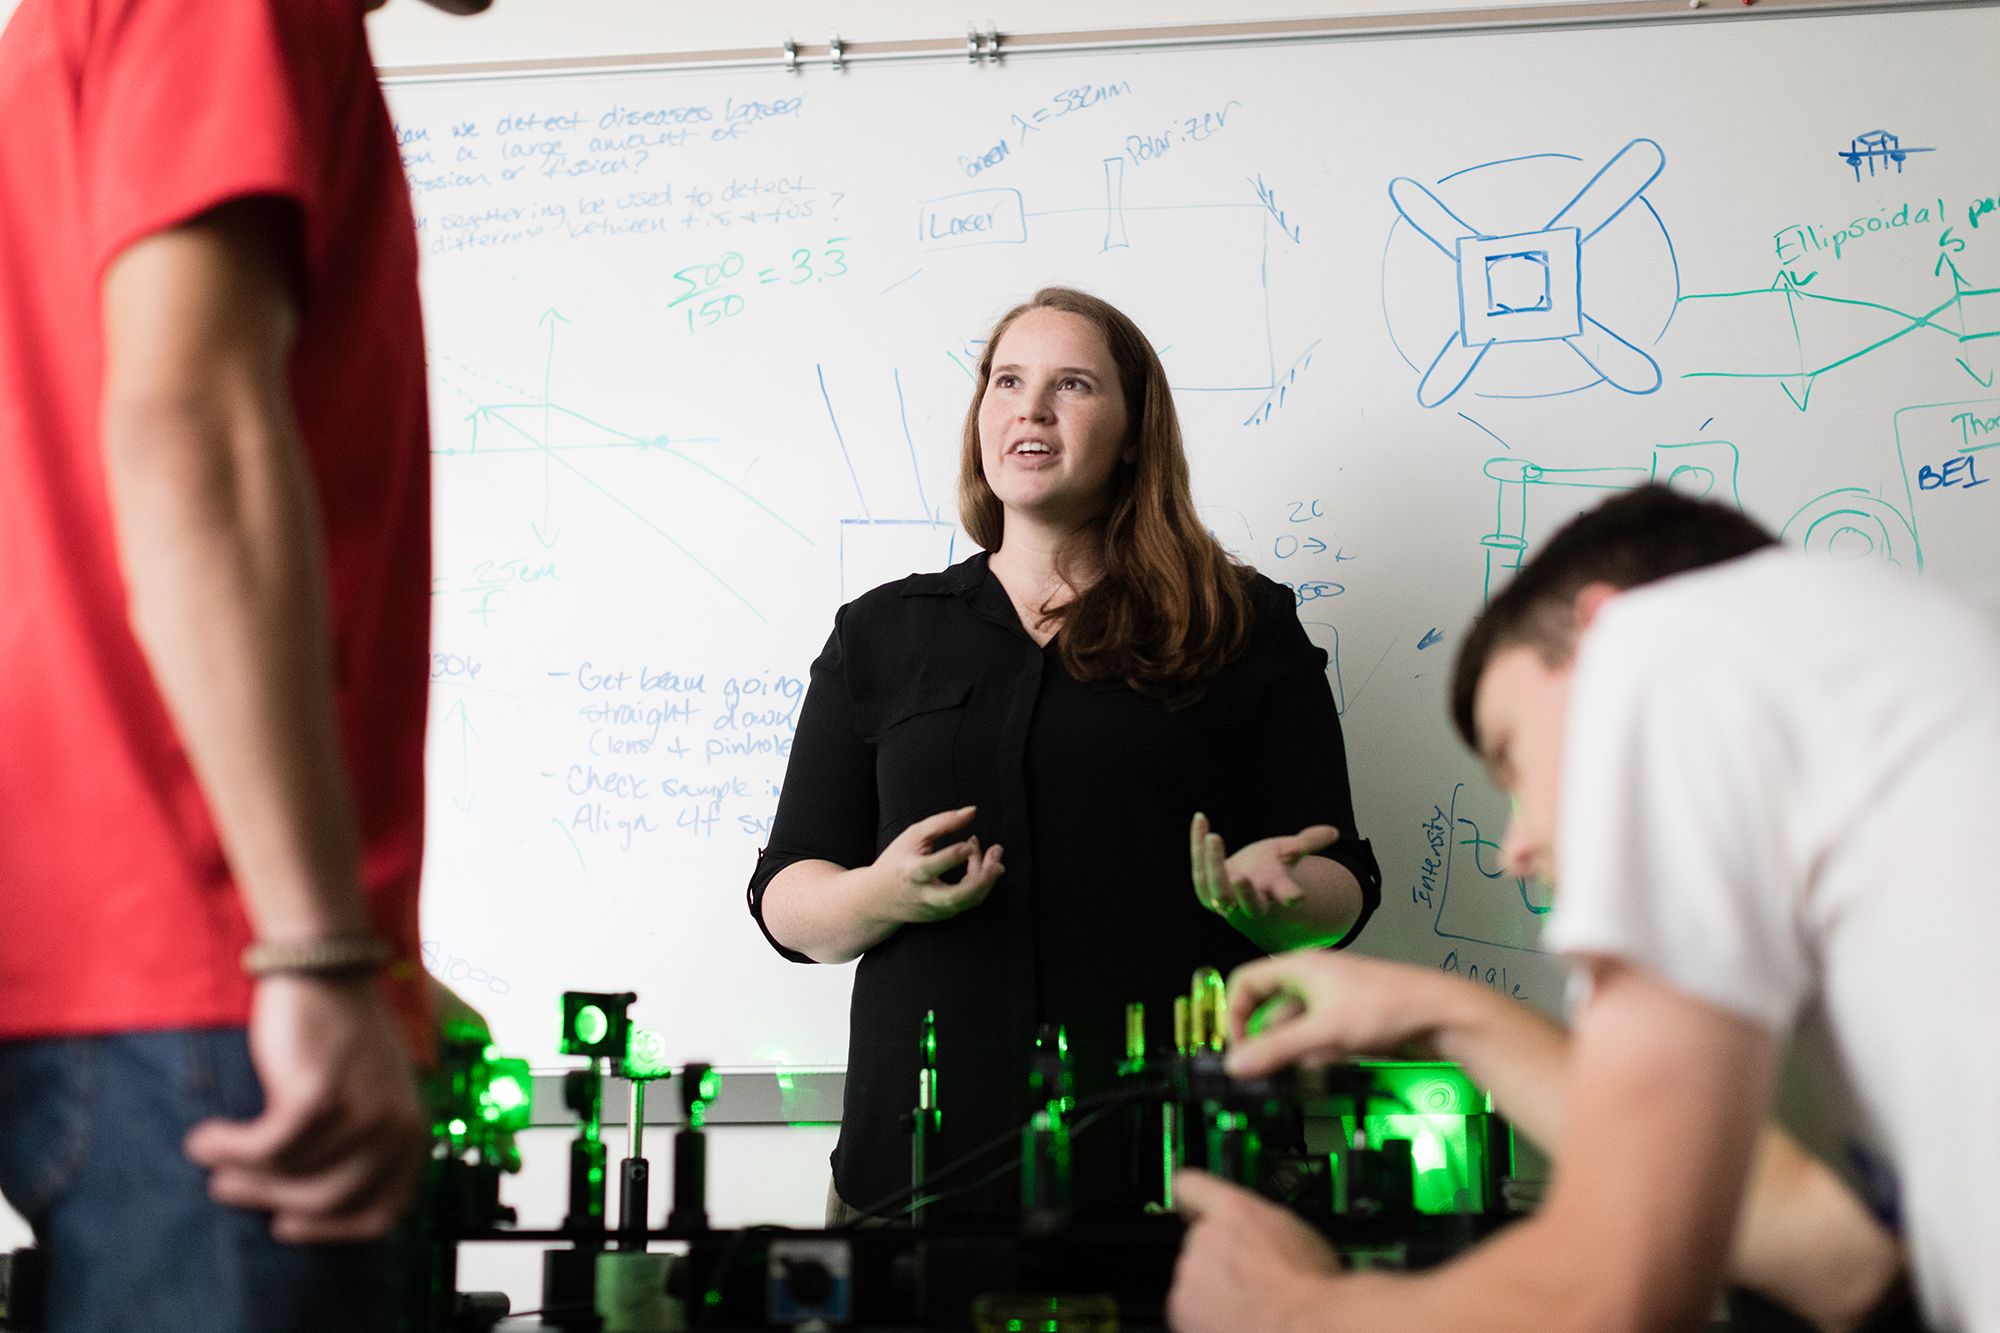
x=343, y=955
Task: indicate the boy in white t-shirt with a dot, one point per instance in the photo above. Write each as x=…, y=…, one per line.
x=1759, y=782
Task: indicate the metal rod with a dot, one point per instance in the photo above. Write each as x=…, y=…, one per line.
x=635, y=1121
x=1273, y=32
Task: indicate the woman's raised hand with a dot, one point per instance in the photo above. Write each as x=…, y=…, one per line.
x=913, y=868
x=1258, y=877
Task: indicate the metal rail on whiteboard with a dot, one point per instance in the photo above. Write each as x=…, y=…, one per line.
x=988, y=47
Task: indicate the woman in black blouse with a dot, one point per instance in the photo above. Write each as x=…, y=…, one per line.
x=1015, y=783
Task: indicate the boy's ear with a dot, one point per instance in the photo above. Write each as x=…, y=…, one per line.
x=1590, y=599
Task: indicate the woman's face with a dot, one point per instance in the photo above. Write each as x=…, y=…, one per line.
x=1052, y=422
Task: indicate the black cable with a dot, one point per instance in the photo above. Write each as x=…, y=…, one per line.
x=1014, y=1164
x=1011, y=1138
x=875, y=1212
x=999, y=1172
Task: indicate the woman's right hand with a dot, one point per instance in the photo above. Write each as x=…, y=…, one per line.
x=910, y=870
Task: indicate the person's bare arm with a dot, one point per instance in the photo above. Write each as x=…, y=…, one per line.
x=825, y=911
x=218, y=535
x=1801, y=1237
x=1804, y=1240
x=833, y=914
x=218, y=539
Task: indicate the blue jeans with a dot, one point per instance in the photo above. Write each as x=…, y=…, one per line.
x=90, y=1155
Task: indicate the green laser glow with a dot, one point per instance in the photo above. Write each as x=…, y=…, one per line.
x=591, y=1025
x=504, y=1094
x=1427, y=1103
x=646, y=1055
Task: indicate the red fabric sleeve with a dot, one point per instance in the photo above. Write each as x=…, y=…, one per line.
x=189, y=104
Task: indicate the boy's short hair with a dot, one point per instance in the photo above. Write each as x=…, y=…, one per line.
x=1639, y=537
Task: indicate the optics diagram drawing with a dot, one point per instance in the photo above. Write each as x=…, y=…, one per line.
x=1554, y=299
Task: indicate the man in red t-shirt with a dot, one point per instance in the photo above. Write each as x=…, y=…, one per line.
x=213, y=636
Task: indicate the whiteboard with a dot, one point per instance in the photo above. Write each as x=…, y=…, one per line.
x=700, y=346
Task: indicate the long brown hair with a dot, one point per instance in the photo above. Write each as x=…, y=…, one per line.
x=1170, y=608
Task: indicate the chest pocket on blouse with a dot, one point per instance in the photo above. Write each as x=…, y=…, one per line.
x=915, y=732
